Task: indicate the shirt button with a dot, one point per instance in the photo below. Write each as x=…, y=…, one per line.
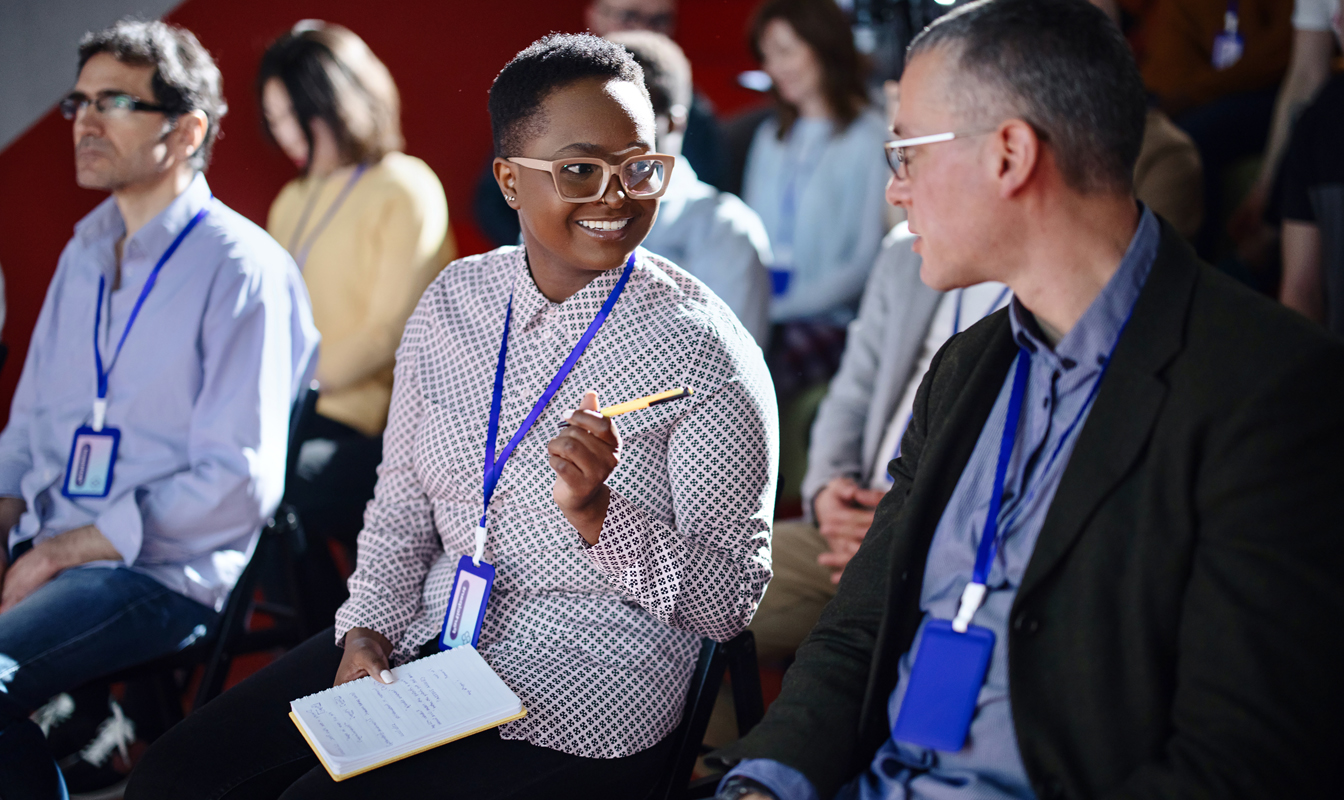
x=1026, y=624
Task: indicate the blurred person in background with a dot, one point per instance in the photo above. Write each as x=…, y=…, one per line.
x=711, y=234
x=1313, y=49
x=368, y=227
x=1215, y=67
x=815, y=174
x=1168, y=175
x=1311, y=204
x=702, y=142
x=147, y=437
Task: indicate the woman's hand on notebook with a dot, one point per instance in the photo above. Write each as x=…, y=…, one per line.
x=583, y=456
x=366, y=652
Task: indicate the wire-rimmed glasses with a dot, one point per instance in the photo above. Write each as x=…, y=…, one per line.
x=113, y=105
x=583, y=180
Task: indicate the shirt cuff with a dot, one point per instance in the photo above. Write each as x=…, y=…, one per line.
x=785, y=783
x=122, y=525
x=623, y=541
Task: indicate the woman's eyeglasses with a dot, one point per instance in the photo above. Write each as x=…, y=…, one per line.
x=583, y=180
x=899, y=161
x=113, y=105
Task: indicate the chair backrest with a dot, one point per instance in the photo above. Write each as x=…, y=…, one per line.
x=689, y=733
x=237, y=610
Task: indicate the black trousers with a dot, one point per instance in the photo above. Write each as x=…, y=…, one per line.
x=242, y=745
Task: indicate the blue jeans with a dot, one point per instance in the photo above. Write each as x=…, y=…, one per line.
x=83, y=624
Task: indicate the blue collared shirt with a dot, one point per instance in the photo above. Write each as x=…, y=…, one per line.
x=717, y=238
x=1060, y=380
x=201, y=392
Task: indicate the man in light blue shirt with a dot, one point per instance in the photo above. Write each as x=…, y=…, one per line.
x=711, y=234
x=203, y=335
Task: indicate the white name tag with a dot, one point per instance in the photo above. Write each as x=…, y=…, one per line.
x=92, y=457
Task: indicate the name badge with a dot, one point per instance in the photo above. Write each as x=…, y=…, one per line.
x=466, y=605
x=944, y=686
x=92, y=456
x=1227, y=50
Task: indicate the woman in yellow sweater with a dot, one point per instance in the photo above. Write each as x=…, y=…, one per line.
x=368, y=226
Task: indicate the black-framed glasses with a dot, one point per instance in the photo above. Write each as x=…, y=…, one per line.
x=113, y=105
x=634, y=19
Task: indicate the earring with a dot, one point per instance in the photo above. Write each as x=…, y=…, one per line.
x=510, y=198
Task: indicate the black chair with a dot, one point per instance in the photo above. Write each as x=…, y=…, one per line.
x=737, y=656
x=281, y=539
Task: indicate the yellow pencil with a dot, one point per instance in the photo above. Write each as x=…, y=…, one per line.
x=644, y=402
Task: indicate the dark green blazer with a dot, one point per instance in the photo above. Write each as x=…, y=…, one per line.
x=1178, y=631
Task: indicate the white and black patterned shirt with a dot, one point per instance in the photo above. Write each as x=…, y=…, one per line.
x=598, y=642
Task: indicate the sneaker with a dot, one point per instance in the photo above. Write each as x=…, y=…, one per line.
x=99, y=770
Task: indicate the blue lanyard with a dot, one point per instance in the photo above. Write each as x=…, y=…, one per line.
x=991, y=538
x=799, y=176
x=301, y=254
x=494, y=468
x=100, y=407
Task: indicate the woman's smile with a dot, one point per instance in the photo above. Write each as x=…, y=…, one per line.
x=605, y=229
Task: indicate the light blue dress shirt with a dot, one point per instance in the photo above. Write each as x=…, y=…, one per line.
x=990, y=766
x=717, y=238
x=201, y=392
x=840, y=180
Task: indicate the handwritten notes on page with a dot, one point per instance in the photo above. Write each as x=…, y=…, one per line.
x=364, y=724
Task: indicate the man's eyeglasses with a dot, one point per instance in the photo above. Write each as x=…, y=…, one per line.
x=113, y=105
x=583, y=180
x=634, y=19
x=899, y=161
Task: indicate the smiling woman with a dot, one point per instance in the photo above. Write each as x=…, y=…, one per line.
x=612, y=552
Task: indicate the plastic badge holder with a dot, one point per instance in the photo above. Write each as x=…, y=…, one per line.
x=944, y=686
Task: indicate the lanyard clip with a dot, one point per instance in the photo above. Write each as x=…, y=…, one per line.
x=480, y=545
x=99, y=413
x=971, y=598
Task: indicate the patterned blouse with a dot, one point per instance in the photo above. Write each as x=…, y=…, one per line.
x=598, y=642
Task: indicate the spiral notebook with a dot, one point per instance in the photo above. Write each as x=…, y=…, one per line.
x=362, y=725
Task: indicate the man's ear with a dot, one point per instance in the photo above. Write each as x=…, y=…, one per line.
x=188, y=133
x=1017, y=156
x=506, y=175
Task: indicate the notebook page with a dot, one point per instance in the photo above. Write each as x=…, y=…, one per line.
x=433, y=697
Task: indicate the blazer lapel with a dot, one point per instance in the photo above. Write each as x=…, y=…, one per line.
x=1126, y=408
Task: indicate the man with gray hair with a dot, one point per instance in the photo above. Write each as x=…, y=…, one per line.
x=1109, y=562
x=147, y=438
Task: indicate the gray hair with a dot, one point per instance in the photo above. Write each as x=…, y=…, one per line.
x=1061, y=66
x=185, y=78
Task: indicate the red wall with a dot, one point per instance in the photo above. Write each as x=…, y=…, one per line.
x=443, y=55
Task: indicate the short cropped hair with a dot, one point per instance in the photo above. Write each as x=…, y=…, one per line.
x=185, y=76
x=548, y=64
x=1060, y=65
x=667, y=72
x=330, y=74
